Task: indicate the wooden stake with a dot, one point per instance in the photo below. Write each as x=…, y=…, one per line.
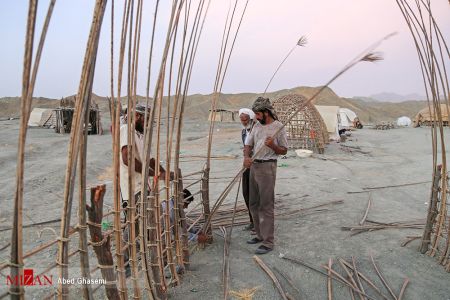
x=100, y=242
x=432, y=211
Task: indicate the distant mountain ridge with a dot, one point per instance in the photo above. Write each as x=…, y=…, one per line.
x=198, y=105
x=393, y=97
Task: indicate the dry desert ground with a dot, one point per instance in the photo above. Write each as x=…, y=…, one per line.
x=369, y=158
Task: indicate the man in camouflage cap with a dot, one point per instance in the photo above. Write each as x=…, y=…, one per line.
x=266, y=141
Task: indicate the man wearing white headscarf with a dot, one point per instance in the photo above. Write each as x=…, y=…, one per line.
x=247, y=117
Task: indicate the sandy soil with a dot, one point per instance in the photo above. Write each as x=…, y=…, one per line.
x=386, y=158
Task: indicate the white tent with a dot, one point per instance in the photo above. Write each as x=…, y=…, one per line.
x=42, y=117
x=331, y=116
x=404, y=121
x=347, y=117
x=35, y=116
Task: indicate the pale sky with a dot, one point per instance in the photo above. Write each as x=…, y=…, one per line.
x=337, y=30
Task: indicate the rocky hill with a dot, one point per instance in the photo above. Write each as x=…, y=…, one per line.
x=197, y=105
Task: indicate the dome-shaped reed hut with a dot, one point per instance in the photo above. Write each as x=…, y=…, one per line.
x=306, y=130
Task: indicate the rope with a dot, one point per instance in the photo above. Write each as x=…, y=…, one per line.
x=100, y=243
x=61, y=264
x=11, y=264
x=81, y=227
x=105, y=266
x=16, y=293
x=59, y=293
x=94, y=224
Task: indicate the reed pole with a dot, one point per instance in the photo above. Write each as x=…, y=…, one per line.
x=170, y=129
x=148, y=234
x=82, y=219
x=186, y=66
x=81, y=105
x=301, y=43
x=156, y=255
x=431, y=48
x=28, y=84
x=366, y=56
x=220, y=77
x=119, y=252
x=17, y=291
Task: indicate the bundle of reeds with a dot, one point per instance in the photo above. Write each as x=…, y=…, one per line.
x=350, y=276
x=172, y=250
x=159, y=242
x=374, y=226
x=224, y=215
x=368, y=55
x=226, y=51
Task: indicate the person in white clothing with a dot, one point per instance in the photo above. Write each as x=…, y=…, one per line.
x=138, y=149
x=247, y=117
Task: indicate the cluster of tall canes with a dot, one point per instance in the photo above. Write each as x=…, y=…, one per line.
x=434, y=55
x=159, y=245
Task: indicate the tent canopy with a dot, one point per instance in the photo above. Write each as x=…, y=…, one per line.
x=331, y=116
x=39, y=116
x=404, y=121
x=424, y=116
x=347, y=117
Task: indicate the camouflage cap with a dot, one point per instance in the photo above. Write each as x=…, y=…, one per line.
x=263, y=104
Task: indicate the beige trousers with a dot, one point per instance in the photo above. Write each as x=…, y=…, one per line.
x=262, y=200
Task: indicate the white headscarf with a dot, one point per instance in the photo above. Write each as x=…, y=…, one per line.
x=248, y=112
x=251, y=114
